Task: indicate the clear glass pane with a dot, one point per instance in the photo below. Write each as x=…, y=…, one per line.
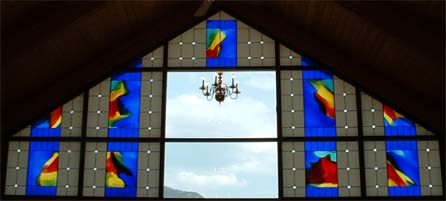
x=221, y=170
x=191, y=115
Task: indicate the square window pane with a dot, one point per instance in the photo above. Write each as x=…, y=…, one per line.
x=221, y=170
x=191, y=115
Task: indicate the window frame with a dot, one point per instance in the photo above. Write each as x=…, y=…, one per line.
x=165, y=69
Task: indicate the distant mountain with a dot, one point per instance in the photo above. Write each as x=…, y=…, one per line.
x=174, y=193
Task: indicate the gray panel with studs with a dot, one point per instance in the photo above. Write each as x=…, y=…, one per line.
x=94, y=170
x=68, y=170
x=17, y=168
x=148, y=170
x=151, y=106
x=98, y=106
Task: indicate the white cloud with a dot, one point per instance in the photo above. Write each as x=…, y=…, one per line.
x=192, y=115
x=255, y=158
x=189, y=180
x=246, y=164
x=253, y=114
x=262, y=82
x=260, y=148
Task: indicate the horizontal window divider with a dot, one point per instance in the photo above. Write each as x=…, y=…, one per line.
x=40, y=139
x=116, y=139
x=144, y=69
x=302, y=68
x=20, y=197
x=383, y=138
x=221, y=140
x=222, y=68
x=321, y=139
x=87, y=139
x=290, y=138
x=356, y=138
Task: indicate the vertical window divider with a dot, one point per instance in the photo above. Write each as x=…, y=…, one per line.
x=163, y=122
x=361, y=153
x=279, y=119
x=80, y=185
x=441, y=139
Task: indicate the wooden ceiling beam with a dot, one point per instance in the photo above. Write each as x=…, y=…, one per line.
x=75, y=51
x=416, y=30
x=297, y=26
x=27, y=23
x=85, y=52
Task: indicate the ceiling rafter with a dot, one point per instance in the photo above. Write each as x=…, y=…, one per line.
x=90, y=42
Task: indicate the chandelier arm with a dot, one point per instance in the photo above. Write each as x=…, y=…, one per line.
x=220, y=89
x=209, y=98
x=233, y=98
x=228, y=92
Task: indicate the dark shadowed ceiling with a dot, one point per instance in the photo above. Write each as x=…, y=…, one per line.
x=51, y=52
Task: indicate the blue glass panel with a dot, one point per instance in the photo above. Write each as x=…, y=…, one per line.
x=121, y=169
x=49, y=126
x=42, y=169
x=396, y=124
x=402, y=168
x=321, y=170
x=319, y=107
x=221, y=43
x=306, y=62
x=125, y=92
x=136, y=64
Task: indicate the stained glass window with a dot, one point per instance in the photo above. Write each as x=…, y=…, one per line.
x=221, y=41
x=152, y=60
x=398, y=167
x=295, y=131
x=291, y=58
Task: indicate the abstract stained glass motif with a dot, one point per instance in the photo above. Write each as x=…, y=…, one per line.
x=48, y=175
x=321, y=169
x=396, y=124
x=115, y=165
x=403, y=176
x=319, y=104
x=125, y=92
x=121, y=169
x=44, y=156
x=124, y=112
x=221, y=43
x=319, y=120
x=48, y=126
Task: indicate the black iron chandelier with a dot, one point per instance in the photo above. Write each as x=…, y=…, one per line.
x=219, y=89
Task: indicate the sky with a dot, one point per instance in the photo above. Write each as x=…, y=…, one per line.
x=224, y=169
x=252, y=114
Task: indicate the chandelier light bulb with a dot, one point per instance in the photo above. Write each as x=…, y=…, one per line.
x=202, y=83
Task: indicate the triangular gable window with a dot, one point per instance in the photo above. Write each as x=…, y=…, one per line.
x=296, y=130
